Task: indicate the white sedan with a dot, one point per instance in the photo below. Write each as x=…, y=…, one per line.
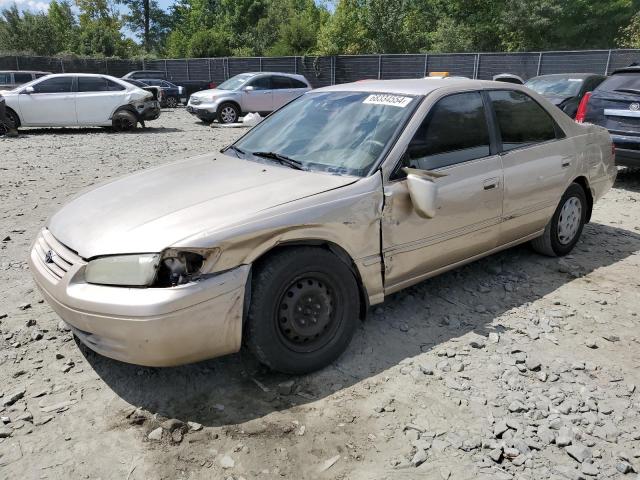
x=76, y=99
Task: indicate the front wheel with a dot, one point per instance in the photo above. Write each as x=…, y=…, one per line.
x=172, y=102
x=565, y=227
x=228, y=113
x=303, y=310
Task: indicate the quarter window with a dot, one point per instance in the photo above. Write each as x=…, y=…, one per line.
x=54, y=85
x=5, y=78
x=521, y=120
x=454, y=131
x=297, y=83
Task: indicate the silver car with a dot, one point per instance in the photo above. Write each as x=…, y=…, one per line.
x=285, y=238
x=261, y=92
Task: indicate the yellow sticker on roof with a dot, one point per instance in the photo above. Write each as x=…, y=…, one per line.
x=386, y=99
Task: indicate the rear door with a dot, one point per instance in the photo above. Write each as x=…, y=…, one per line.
x=96, y=100
x=286, y=89
x=535, y=169
x=52, y=103
x=615, y=105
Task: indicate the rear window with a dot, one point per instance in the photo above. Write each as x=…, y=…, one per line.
x=621, y=81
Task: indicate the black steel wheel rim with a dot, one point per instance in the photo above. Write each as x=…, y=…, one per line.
x=306, y=313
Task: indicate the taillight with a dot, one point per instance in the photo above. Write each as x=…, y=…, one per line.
x=582, y=108
x=212, y=85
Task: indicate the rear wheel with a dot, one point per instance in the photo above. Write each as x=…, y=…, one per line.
x=124, y=121
x=565, y=227
x=303, y=310
x=228, y=113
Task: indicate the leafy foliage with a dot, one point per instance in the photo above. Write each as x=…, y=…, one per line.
x=208, y=28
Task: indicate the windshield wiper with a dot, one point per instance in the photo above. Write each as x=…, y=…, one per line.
x=282, y=159
x=235, y=149
x=627, y=90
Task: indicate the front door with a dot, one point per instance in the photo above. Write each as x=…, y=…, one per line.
x=96, y=100
x=52, y=103
x=453, y=140
x=260, y=98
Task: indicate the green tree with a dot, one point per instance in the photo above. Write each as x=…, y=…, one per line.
x=148, y=21
x=65, y=25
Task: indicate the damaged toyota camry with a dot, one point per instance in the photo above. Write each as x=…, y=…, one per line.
x=281, y=241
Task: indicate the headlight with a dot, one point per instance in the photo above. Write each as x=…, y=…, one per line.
x=125, y=270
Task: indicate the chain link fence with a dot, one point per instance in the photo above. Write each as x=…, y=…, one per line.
x=322, y=71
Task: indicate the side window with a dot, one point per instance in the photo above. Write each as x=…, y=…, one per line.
x=297, y=83
x=281, y=83
x=22, y=77
x=261, y=83
x=521, y=120
x=92, y=84
x=5, y=78
x=454, y=131
x=54, y=85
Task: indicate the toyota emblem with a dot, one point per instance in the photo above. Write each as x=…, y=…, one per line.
x=634, y=107
x=48, y=258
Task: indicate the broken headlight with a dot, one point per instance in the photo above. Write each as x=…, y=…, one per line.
x=123, y=270
x=178, y=266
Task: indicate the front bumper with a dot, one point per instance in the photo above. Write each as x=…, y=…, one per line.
x=146, y=326
x=202, y=113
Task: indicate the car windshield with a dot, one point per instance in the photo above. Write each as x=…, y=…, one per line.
x=338, y=132
x=235, y=82
x=621, y=81
x=558, y=86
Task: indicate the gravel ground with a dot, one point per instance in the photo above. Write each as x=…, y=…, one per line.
x=517, y=366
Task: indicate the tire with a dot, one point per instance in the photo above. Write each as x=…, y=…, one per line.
x=171, y=102
x=12, y=119
x=228, y=113
x=565, y=227
x=286, y=338
x=124, y=121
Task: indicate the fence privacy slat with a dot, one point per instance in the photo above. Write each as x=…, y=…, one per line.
x=322, y=71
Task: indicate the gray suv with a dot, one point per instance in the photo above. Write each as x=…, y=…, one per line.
x=10, y=79
x=261, y=92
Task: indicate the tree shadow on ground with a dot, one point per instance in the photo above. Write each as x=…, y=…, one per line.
x=415, y=320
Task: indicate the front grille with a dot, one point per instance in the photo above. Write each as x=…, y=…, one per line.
x=55, y=257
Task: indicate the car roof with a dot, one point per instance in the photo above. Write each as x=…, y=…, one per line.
x=283, y=74
x=568, y=75
x=417, y=86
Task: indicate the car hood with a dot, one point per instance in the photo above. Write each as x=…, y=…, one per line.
x=213, y=92
x=155, y=209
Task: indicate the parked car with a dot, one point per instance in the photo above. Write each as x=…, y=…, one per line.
x=75, y=99
x=337, y=200
x=565, y=90
x=10, y=79
x=189, y=86
x=615, y=105
x=173, y=95
x=508, y=78
x=260, y=92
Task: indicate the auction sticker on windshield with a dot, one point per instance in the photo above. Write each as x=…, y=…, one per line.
x=385, y=99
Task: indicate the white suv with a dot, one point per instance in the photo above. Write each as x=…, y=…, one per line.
x=75, y=99
x=261, y=92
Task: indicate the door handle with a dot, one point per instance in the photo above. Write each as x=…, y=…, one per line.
x=490, y=183
x=566, y=163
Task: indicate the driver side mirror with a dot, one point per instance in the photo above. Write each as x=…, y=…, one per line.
x=249, y=88
x=28, y=90
x=423, y=190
